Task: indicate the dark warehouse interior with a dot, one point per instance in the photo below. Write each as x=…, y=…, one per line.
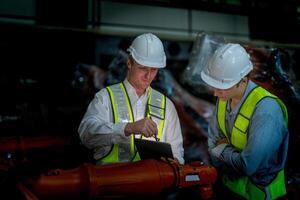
x=55, y=55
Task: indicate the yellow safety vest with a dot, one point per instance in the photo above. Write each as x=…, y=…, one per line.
x=122, y=111
x=244, y=186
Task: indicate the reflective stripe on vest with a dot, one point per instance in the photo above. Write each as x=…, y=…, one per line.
x=247, y=189
x=243, y=185
x=156, y=105
x=241, y=124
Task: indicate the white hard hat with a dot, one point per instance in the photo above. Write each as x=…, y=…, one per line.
x=228, y=65
x=148, y=50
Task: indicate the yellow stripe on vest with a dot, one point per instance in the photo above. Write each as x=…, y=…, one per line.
x=118, y=97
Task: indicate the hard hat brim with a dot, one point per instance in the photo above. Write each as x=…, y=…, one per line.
x=147, y=63
x=217, y=84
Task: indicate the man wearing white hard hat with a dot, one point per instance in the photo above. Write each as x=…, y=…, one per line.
x=132, y=109
x=248, y=137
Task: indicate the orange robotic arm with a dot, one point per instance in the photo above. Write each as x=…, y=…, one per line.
x=147, y=177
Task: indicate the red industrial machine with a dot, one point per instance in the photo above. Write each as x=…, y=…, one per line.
x=23, y=144
x=147, y=177
x=19, y=150
x=88, y=181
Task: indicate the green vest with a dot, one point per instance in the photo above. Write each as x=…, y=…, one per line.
x=122, y=111
x=244, y=186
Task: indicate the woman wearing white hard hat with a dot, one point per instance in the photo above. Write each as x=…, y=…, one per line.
x=132, y=109
x=248, y=135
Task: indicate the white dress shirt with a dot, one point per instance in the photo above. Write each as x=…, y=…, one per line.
x=97, y=130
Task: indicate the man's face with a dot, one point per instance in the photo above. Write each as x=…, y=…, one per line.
x=226, y=94
x=236, y=92
x=140, y=76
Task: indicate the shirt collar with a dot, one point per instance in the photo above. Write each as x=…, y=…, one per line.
x=131, y=89
x=250, y=86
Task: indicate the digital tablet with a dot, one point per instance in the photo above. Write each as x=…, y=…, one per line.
x=153, y=150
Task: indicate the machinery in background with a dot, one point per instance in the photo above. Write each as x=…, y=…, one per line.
x=16, y=151
x=24, y=144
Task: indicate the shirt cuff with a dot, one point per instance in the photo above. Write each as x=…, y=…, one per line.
x=217, y=151
x=119, y=128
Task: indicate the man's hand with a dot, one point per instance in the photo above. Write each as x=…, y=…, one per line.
x=147, y=127
x=222, y=141
x=219, y=148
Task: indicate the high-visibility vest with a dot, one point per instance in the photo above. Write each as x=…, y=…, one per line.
x=244, y=186
x=122, y=112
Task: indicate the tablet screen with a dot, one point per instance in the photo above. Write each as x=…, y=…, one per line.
x=153, y=150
